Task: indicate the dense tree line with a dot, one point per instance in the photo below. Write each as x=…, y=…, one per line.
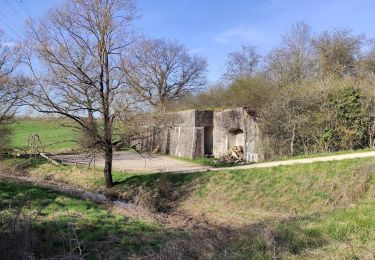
x=314, y=93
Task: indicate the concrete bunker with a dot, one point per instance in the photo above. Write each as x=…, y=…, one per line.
x=199, y=133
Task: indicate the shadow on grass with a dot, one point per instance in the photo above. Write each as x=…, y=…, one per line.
x=161, y=192
x=20, y=164
x=63, y=226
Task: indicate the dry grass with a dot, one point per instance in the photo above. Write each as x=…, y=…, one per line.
x=321, y=210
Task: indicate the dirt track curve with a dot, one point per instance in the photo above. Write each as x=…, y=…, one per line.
x=338, y=157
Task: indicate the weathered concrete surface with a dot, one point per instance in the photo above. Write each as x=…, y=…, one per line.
x=186, y=136
x=133, y=162
x=197, y=133
x=236, y=127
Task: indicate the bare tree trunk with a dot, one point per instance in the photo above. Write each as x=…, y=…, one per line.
x=292, y=140
x=108, y=146
x=371, y=134
x=108, y=166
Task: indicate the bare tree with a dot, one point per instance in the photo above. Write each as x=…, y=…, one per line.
x=290, y=118
x=367, y=79
x=242, y=64
x=74, y=55
x=10, y=90
x=338, y=52
x=292, y=62
x=367, y=62
x=9, y=61
x=162, y=71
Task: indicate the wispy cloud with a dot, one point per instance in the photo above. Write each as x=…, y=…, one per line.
x=239, y=32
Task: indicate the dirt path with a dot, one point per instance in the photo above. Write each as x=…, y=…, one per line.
x=338, y=157
x=134, y=162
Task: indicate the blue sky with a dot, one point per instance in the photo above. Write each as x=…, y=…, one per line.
x=213, y=28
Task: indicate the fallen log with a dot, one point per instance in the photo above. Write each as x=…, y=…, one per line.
x=49, y=159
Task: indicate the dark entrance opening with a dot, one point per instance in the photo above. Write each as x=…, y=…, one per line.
x=208, y=140
x=168, y=142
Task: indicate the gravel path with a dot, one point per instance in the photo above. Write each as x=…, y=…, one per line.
x=133, y=162
x=338, y=157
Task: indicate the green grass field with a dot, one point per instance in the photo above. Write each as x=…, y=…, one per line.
x=320, y=210
x=54, y=137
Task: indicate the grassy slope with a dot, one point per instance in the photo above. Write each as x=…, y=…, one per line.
x=96, y=228
x=319, y=210
x=53, y=136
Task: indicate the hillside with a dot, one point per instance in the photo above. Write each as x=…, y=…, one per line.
x=53, y=136
x=46, y=224
x=320, y=210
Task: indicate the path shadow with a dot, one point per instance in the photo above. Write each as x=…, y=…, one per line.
x=161, y=192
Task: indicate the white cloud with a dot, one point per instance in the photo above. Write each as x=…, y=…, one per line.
x=241, y=32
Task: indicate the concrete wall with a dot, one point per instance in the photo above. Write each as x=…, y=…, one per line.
x=236, y=127
x=186, y=141
x=192, y=118
x=204, y=118
x=186, y=136
x=183, y=118
x=163, y=141
x=195, y=133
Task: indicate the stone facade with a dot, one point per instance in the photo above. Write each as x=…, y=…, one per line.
x=198, y=133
